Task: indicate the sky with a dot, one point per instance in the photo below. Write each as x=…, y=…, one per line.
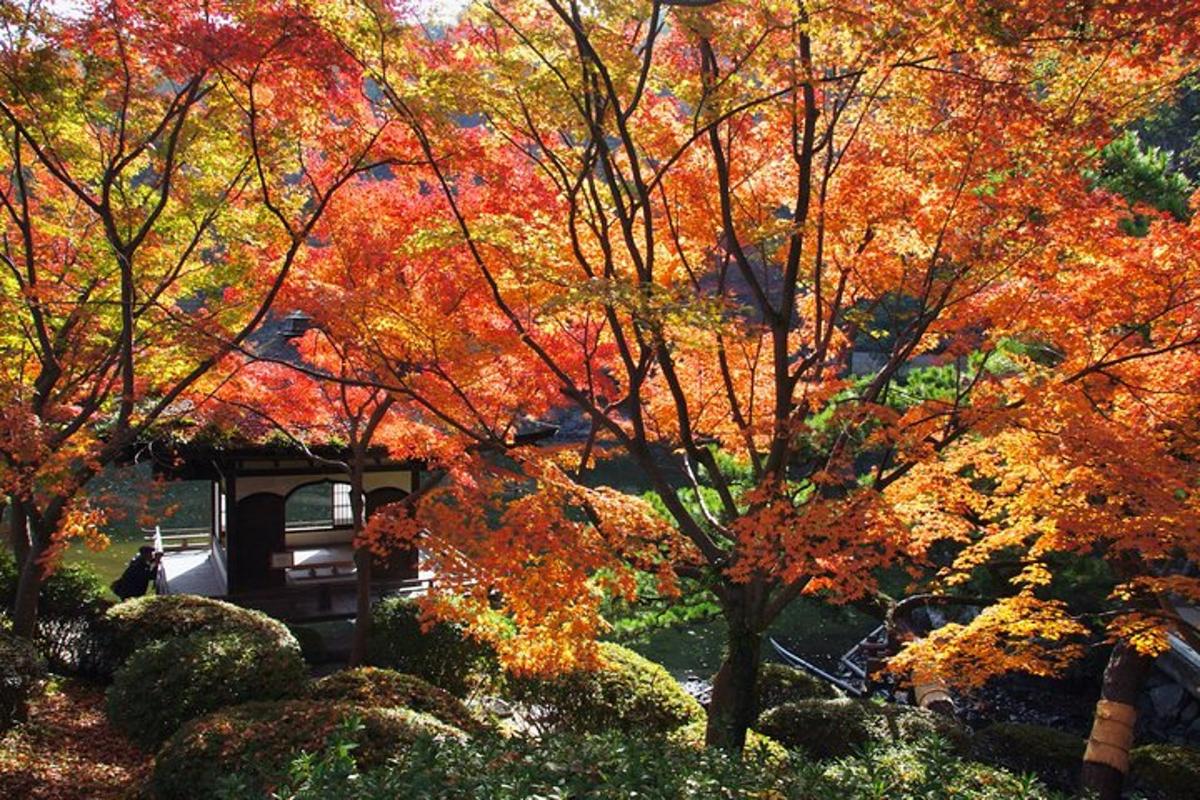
x=440, y=10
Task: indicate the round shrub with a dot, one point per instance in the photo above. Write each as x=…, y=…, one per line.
x=257, y=742
x=1051, y=754
x=21, y=674
x=759, y=749
x=836, y=728
x=384, y=688
x=779, y=684
x=443, y=655
x=169, y=682
x=1165, y=771
x=142, y=620
x=630, y=693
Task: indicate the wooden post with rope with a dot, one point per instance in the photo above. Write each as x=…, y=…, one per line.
x=1106, y=760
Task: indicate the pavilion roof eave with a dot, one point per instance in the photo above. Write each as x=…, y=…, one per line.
x=182, y=460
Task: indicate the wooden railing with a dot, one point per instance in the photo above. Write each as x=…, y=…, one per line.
x=168, y=540
x=287, y=561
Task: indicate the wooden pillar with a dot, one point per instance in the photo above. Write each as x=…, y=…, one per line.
x=231, y=555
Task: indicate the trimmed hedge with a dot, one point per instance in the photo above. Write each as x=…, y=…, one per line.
x=442, y=655
x=1165, y=771
x=629, y=694
x=167, y=683
x=824, y=729
x=1051, y=754
x=925, y=769
x=759, y=749
x=1156, y=771
x=22, y=672
x=779, y=684
x=373, y=687
x=242, y=751
x=142, y=620
x=617, y=766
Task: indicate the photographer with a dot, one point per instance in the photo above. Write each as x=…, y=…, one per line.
x=138, y=575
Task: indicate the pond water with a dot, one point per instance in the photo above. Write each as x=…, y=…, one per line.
x=134, y=498
x=814, y=630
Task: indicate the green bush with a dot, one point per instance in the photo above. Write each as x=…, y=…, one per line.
x=779, y=684
x=1051, y=754
x=137, y=622
x=616, y=766
x=248, y=748
x=169, y=682
x=610, y=766
x=312, y=643
x=71, y=606
x=924, y=769
x=68, y=591
x=759, y=748
x=384, y=688
x=22, y=671
x=1165, y=771
x=824, y=729
x=443, y=655
x=630, y=694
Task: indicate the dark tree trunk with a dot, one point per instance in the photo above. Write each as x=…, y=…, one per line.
x=1106, y=762
x=18, y=529
x=29, y=579
x=734, y=705
x=29, y=584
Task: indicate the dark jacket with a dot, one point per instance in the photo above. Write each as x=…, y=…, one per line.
x=136, y=578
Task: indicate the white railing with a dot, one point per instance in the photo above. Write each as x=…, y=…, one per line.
x=168, y=540
x=160, y=574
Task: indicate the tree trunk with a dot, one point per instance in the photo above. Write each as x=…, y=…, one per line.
x=29, y=584
x=1106, y=762
x=18, y=529
x=734, y=704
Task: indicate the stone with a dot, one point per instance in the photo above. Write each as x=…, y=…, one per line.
x=1189, y=712
x=1167, y=700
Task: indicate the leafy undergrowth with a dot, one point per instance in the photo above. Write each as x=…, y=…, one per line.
x=67, y=750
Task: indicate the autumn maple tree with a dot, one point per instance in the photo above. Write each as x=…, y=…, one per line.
x=163, y=165
x=391, y=293
x=698, y=223
x=1085, y=452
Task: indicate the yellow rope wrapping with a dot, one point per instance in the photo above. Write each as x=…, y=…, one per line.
x=928, y=688
x=928, y=693
x=1112, y=735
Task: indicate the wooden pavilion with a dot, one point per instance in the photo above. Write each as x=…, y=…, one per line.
x=279, y=535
